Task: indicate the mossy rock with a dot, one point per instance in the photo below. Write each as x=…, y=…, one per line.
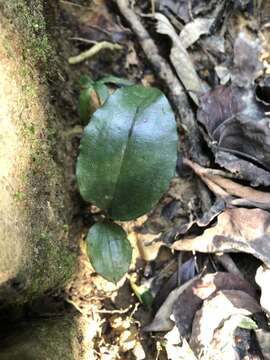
x=35, y=206
x=43, y=339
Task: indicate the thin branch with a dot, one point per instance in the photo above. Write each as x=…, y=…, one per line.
x=176, y=92
x=93, y=51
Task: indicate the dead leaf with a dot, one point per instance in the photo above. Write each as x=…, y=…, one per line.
x=262, y=278
x=188, y=271
x=236, y=230
x=174, y=350
x=225, y=187
x=181, y=60
x=247, y=66
x=263, y=338
x=192, y=298
x=186, y=9
x=223, y=345
x=249, y=171
x=236, y=119
x=210, y=317
x=194, y=29
x=162, y=321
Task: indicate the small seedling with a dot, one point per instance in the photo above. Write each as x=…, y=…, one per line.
x=127, y=158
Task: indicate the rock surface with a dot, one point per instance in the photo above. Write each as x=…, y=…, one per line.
x=51, y=339
x=35, y=207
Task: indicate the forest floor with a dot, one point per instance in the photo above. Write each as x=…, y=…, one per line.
x=204, y=250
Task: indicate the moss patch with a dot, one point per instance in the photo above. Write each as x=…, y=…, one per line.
x=36, y=206
x=28, y=18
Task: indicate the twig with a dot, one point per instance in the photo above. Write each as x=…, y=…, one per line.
x=227, y=262
x=93, y=51
x=175, y=89
x=76, y=38
x=72, y=4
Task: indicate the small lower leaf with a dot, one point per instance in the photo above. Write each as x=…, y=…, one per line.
x=109, y=250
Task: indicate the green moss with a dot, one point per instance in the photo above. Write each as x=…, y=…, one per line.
x=45, y=204
x=29, y=20
x=46, y=339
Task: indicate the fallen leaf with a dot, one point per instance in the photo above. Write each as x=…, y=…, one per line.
x=162, y=321
x=262, y=278
x=225, y=187
x=236, y=230
x=236, y=119
x=247, y=66
x=188, y=271
x=191, y=299
x=185, y=9
x=180, y=59
x=263, y=338
x=194, y=29
x=223, y=345
x=210, y=317
x=174, y=350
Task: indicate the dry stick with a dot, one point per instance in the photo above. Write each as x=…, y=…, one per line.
x=93, y=51
x=175, y=89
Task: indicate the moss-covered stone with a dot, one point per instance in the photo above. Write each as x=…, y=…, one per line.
x=35, y=205
x=51, y=339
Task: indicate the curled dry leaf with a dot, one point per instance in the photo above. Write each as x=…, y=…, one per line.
x=162, y=321
x=263, y=338
x=184, y=301
x=173, y=350
x=224, y=345
x=186, y=9
x=180, y=59
x=236, y=230
x=192, y=298
x=247, y=66
x=194, y=29
x=226, y=188
x=209, y=317
x=236, y=119
x=263, y=279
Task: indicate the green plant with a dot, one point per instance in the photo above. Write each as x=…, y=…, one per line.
x=126, y=160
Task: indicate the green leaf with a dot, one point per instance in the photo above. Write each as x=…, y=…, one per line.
x=128, y=152
x=143, y=294
x=85, y=103
x=247, y=323
x=109, y=250
x=102, y=92
x=111, y=79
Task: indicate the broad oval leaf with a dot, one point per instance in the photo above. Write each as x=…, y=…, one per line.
x=128, y=152
x=109, y=250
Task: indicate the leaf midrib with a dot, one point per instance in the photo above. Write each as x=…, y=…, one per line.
x=122, y=161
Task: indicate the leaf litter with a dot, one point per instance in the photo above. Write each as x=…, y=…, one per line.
x=220, y=53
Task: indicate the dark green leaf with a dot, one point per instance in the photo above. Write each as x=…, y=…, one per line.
x=85, y=81
x=102, y=92
x=110, y=79
x=143, y=294
x=85, y=103
x=109, y=250
x=128, y=152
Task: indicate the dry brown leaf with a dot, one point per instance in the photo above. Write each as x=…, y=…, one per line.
x=192, y=298
x=162, y=321
x=181, y=59
x=194, y=29
x=262, y=278
x=237, y=230
x=225, y=187
x=263, y=338
x=214, y=311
